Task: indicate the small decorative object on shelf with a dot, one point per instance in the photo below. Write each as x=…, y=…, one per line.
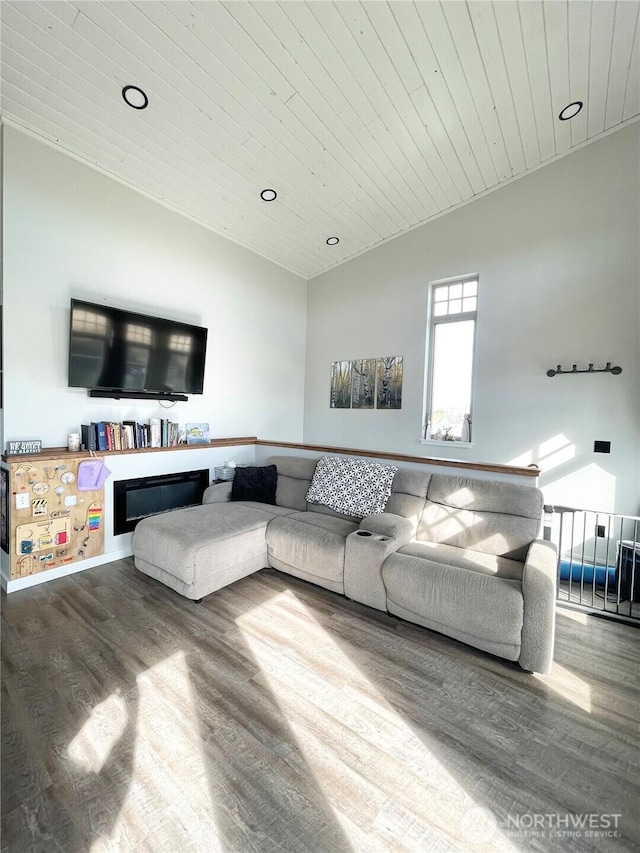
x=590, y=369
x=24, y=447
x=197, y=433
x=466, y=429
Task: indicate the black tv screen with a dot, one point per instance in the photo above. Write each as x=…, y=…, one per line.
x=113, y=349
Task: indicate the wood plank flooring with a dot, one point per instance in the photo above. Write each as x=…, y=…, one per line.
x=276, y=716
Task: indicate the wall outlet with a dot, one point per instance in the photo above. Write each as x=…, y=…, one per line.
x=602, y=447
x=22, y=500
x=600, y=531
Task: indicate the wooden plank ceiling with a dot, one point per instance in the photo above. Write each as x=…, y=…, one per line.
x=368, y=118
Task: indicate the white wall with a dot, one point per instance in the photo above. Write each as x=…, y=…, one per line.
x=557, y=255
x=70, y=231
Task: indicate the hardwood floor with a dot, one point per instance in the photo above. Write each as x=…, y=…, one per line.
x=276, y=716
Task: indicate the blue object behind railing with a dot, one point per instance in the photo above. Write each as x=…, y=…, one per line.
x=585, y=571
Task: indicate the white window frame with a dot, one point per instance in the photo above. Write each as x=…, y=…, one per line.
x=432, y=322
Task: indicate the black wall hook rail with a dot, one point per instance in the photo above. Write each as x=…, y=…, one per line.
x=606, y=369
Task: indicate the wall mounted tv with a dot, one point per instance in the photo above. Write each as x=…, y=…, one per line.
x=117, y=353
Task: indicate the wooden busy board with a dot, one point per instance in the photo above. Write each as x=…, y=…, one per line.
x=51, y=521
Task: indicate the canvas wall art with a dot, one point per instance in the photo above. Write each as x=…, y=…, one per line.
x=389, y=383
x=363, y=383
x=340, y=385
x=367, y=383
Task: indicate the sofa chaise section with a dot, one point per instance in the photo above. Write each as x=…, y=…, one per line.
x=198, y=550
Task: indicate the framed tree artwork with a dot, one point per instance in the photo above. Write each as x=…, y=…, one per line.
x=340, y=385
x=363, y=383
x=389, y=383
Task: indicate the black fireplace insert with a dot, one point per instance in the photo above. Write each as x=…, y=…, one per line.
x=136, y=499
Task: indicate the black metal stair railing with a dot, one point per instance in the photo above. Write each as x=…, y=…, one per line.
x=598, y=559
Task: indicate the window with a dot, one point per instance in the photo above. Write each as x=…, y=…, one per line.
x=450, y=348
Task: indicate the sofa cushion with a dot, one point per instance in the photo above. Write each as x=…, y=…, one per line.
x=325, y=510
x=408, y=494
x=255, y=483
x=352, y=486
x=480, y=515
x=474, y=561
x=309, y=542
x=294, y=479
x=482, y=609
x=486, y=495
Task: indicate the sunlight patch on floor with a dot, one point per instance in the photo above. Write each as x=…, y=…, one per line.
x=418, y=803
x=567, y=685
x=91, y=747
x=167, y=805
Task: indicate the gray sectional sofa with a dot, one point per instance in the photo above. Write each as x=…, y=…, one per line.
x=456, y=555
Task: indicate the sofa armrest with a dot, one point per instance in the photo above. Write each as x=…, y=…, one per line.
x=217, y=493
x=539, y=593
x=387, y=524
x=366, y=550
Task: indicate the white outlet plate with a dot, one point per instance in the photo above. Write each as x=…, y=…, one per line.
x=22, y=500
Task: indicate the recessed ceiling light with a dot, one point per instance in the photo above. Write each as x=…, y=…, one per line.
x=268, y=195
x=333, y=241
x=135, y=97
x=570, y=111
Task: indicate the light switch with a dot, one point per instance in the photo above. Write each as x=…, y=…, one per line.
x=602, y=447
x=22, y=500
x=70, y=500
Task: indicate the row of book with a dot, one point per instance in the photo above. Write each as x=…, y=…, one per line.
x=130, y=435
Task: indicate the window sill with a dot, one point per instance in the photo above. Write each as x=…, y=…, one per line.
x=442, y=443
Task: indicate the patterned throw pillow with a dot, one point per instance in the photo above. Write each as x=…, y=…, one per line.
x=352, y=486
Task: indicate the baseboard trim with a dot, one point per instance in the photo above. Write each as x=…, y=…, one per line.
x=71, y=569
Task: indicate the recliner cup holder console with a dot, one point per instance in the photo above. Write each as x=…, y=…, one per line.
x=368, y=533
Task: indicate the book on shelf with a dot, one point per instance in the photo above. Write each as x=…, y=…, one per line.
x=101, y=435
x=116, y=440
x=129, y=433
x=88, y=436
x=155, y=432
x=108, y=429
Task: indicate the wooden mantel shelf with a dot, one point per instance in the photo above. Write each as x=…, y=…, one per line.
x=57, y=452
x=497, y=468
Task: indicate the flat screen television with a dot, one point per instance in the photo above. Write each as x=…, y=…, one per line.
x=115, y=350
